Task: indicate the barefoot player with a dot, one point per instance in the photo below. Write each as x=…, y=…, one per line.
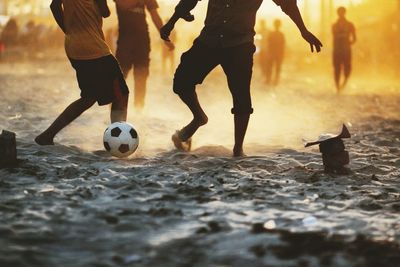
x=226, y=40
x=98, y=73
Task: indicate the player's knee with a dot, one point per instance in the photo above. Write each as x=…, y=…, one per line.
x=182, y=86
x=242, y=109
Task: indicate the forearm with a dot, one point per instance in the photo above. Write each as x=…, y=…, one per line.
x=184, y=7
x=182, y=10
x=104, y=9
x=155, y=17
x=291, y=9
x=58, y=14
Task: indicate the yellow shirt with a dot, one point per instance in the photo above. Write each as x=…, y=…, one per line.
x=83, y=22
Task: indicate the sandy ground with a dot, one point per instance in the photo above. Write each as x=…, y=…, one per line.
x=73, y=205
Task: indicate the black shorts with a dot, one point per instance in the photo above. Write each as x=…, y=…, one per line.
x=237, y=63
x=133, y=53
x=97, y=77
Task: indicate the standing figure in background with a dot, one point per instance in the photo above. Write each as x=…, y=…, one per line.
x=344, y=36
x=168, y=56
x=10, y=34
x=133, y=45
x=275, y=54
x=263, y=31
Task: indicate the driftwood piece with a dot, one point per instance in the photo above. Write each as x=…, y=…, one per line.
x=8, y=149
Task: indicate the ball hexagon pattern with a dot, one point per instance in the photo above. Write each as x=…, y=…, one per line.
x=121, y=139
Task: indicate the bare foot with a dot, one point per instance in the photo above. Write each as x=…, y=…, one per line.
x=181, y=144
x=44, y=140
x=238, y=152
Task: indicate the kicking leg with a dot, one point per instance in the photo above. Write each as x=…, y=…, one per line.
x=72, y=112
x=199, y=116
x=194, y=67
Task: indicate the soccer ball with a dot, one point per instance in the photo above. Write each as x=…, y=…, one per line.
x=121, y=139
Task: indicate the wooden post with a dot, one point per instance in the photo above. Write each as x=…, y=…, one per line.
x=8, y=149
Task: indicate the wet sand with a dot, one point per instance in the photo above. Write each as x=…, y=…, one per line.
x=73, y=205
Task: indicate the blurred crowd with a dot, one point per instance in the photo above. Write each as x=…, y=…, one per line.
x=21, y=39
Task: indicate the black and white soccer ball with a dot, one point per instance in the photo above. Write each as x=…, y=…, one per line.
x=121, y=139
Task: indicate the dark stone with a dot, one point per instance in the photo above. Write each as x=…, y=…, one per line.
x=8, y=149
x=332, y=146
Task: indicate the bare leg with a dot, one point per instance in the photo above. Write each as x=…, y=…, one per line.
x=199, y=116
x=268, y=71
x=140, y=77
x=278, y=67
x=347, y=72
x=72, y=112
x=119, y=107
x=241, y=123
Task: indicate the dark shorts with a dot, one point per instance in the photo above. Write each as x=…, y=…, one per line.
x=133, y=53
x=97, y=79
x=237, y=63
x=342, y=57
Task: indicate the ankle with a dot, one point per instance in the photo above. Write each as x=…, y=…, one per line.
x=238, y=151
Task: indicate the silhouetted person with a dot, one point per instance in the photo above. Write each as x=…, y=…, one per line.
x=98, y=73
x=275, y=54
x=227, y=39
x=10, y=33
x=344, y=36
x=133, y=45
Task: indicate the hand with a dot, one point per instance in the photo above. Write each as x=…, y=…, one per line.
x=166, y=30
x=170, y=45
x=188, y=17
x=312, y=40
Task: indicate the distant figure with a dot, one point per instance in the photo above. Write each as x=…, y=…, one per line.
x=275, y=54
x=133, y=45
x=344, y=36
x=98, y=73
x=10, y=34
x=168, y=56
x=263, y=31
x=227, y=40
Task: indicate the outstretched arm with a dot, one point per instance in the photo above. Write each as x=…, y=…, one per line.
x=291, y=9
x=104, y=10
x=182, y=11
x=58, y=13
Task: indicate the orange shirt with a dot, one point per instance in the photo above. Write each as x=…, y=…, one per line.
x=84, y=39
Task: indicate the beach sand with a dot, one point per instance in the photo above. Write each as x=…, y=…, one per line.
x=73, y=205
